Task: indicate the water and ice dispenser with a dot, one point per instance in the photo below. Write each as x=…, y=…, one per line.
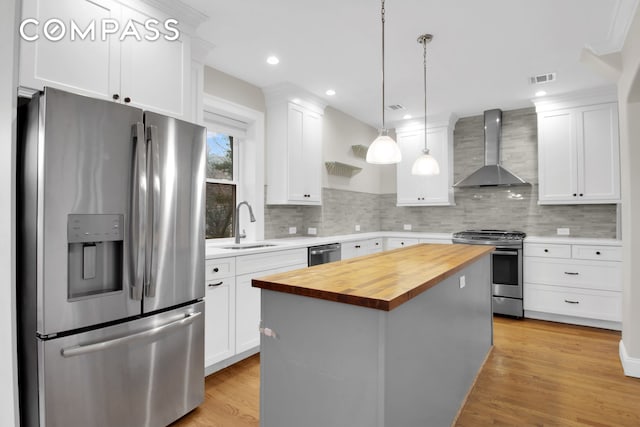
x=95, y=254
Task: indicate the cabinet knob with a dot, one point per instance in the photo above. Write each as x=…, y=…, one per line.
x=127, y=100
x=581, y=194
x=546, y=250
x=401, y=243
x=597, y=252
x=216, y=269
x=574, y=194
x=357, y=246
x=116, y=96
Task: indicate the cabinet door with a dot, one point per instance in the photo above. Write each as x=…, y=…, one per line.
x=599, y=153
x=155, y=74
x=87, y=66
x=304, y=137
x=219, y=329
x=416, y=190
x=247, y=313
x=557, y=157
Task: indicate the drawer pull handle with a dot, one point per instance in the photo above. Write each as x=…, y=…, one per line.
x=215, y=270
x=571, y=273
x=571, y=302
x=213, y=285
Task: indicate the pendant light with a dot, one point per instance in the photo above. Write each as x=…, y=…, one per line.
x=383, y=150
x=425, y=164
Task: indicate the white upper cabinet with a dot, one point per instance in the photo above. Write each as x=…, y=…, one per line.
x=578, y=153
x=294, y=146
x=151, y=73
x=416, y=190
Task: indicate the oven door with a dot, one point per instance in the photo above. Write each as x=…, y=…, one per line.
x=506, y=272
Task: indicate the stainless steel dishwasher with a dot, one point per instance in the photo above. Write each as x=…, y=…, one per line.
x=323, y=254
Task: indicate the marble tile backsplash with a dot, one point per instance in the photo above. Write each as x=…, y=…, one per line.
x=513, y=208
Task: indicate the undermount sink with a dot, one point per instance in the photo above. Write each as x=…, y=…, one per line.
x=249, y=246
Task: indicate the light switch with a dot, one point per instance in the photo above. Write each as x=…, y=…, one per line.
x=563, y=231
x=293, y=230
x=357, y=227
x=407, y=227
x=463, y=282
x=312, y=231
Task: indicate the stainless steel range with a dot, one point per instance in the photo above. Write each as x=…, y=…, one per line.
x=506, y=266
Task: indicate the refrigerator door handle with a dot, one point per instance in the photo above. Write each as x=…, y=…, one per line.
x=148, y=334
x=138, y=218
x=153, y=164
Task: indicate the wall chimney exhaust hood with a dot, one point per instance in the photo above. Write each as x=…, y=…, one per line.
x=492, y=173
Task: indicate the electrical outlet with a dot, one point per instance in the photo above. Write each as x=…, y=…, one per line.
x=407, y=227
x=463, y=282
x=563, y=231
x=312, y=231
x=357, y=227
x=293, y=230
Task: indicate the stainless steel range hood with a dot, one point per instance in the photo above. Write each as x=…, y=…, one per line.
x=492, y=173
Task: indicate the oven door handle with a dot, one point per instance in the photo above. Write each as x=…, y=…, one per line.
x=501, y=252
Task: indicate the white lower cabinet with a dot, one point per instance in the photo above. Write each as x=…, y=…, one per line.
x=232, y=305
x=219, y=339
x=361, y=247
x=574, y=283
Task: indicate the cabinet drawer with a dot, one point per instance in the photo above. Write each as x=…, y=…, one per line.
x=552, y=250
x=218, y=268
x=603, y=305
x=603, y=275
x=606, y=253
x=395, y=242
x=270, y=260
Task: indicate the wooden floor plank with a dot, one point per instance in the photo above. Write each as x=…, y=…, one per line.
x=538, y=374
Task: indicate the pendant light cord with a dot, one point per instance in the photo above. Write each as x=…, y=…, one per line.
x=424, y=42
x=382, y=14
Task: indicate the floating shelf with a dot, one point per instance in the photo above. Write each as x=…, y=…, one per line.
x=341, y=169
x=360, y=151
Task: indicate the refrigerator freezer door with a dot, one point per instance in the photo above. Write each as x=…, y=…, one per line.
x=147, y=372
x=77, y=202
x=175, y=233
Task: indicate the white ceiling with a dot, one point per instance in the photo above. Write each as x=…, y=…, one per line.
x=481, y=57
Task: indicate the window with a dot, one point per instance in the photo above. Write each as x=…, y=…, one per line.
x=221, y=185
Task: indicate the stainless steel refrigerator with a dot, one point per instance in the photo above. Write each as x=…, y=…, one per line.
x=111, y=263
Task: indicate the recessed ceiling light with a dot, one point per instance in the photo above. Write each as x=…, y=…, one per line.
x=407, y=116
x=541, y=93
x=330, y=92
x=273, y=60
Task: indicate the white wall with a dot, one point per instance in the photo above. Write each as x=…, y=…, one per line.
x=340, y=132
x=8, y=84
x=629, y=100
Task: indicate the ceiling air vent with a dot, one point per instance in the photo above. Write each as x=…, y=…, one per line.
x=394, y=107
x=542, y=78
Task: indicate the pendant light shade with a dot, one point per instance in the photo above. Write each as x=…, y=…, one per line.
x=383, y=150
x=425, y=164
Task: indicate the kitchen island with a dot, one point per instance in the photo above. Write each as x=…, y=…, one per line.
x=391, y=339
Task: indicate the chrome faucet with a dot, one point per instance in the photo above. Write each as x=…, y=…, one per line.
x=236, y=220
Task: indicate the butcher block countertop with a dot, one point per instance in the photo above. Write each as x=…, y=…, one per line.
x=381, y=281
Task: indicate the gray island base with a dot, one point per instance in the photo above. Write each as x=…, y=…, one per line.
x=332, y=364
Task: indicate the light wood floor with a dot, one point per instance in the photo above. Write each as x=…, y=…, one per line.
x=538, y=374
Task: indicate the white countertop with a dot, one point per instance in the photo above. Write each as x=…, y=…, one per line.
x=216, y=250
x=566, y=240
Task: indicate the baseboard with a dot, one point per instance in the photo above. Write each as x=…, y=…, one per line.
x=208, y=370
x=582, y=321
x=630, y=365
